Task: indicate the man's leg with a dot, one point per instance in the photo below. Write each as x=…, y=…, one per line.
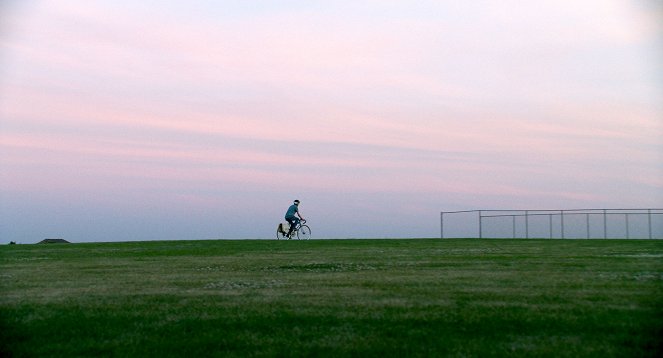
x=292, y=222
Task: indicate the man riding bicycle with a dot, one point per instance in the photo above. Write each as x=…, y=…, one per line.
x=291, y=218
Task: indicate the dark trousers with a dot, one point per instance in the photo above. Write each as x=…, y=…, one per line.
x=293, y=222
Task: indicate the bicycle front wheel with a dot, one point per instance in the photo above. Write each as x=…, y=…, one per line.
x=304, y=232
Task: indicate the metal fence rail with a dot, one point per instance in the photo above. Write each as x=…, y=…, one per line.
x=557, y=222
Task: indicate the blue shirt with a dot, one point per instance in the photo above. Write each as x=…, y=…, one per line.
x=291, y=211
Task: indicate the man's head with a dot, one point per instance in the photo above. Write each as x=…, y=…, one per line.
x=296, y=202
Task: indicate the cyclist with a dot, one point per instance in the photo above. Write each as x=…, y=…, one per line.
x=291, y=218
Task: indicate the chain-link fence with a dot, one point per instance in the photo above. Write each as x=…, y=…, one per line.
x=554, y=224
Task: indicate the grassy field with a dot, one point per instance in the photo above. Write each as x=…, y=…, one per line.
x=464, y=297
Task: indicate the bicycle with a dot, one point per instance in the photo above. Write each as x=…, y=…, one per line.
x=301, y=231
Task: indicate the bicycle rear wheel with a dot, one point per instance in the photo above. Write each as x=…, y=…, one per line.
x=304, y=232
x=280, y=235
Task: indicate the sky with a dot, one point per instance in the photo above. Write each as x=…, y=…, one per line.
x=179, y=120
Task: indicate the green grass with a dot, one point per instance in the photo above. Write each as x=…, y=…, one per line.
x=466, y=297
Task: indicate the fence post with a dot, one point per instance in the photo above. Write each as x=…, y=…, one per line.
x=587, y=218
x=561, y=214
x=649, y=221
x=605, y=224
x=442, y=225
x=626, y=219
x=550, y=223
x=526, y=224
x=480, y=223
x=513, y=225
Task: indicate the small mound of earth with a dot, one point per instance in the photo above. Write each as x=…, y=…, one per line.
x=53, y=241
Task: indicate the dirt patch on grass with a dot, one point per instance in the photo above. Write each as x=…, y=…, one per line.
x=243, y=284
x=321, y=267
